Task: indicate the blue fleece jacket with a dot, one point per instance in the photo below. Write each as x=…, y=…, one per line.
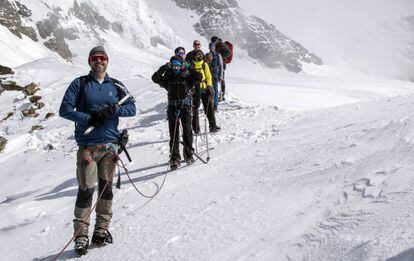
x=95, y=96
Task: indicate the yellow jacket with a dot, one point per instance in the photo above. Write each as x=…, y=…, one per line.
x=203, y=68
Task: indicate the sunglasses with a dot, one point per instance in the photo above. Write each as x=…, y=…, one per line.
x=96, y=58
x=197, y=44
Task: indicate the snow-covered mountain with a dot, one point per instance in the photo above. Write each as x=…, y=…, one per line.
x=261, y=39
x=308, y=166
x=56, y=27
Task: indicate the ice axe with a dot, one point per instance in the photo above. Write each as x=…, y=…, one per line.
x=91, y=128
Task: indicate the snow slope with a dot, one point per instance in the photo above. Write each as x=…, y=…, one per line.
x=310, y=166
x=328, y=184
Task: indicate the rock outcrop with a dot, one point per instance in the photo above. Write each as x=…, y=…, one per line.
x=263, y=42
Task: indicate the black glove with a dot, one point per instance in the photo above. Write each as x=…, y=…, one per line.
x=110, y=111
x=98, y=117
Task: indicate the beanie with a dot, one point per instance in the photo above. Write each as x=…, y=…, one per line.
x=97, y=50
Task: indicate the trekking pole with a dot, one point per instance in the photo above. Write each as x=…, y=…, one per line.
x=194, y=153
x=205, y=127
x=91, y=128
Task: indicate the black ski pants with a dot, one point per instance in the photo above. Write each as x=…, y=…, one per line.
x=223, y=82
x=208, y=110
x=175, y=116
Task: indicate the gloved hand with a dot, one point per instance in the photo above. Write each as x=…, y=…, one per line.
x=165, y=67
x=98, y=117
x=110, y=111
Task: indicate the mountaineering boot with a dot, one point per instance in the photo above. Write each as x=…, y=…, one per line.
x=174, y=164
x=102, y=237
x=81, y=245
x=215, y=128
x=189, y=160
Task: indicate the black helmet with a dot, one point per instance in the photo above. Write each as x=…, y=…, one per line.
x=179, y=48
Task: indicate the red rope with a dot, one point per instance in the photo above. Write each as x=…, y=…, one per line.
x=106, y=184
x=87, y=216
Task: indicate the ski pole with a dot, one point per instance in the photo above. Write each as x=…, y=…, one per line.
x=195, y=154
x=205, y=127
x=91, y=128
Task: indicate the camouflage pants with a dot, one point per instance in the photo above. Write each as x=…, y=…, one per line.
x=94, y=161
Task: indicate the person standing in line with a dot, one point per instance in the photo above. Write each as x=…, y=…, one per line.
x=179, y=81
x=207, y=94
x=92, y=100
x=191, y=55
x=216, y=68
x=225, y=52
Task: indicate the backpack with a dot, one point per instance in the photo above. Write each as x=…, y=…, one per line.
x=82, y=84
x=223, y=49
x=230, y=57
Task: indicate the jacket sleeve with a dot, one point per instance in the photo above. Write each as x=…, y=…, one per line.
x=67, y=107
x=126, y=109
x=207, y=74
x=158, y=77
x=220, y=66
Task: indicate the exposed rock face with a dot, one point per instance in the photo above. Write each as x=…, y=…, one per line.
x=52, y=29
x=49, y=115
x=157, y=40
x=7, y=116
x=31, y=112
x=59, y=45
x=4, y=70
x=11, y=86
x=117, y=27
x=30, y=89
x=85, y=13
x=37, y=127
x=13, y=16
x=35, y=98
x=40, y=104
x=224, y=18
x=3, y=142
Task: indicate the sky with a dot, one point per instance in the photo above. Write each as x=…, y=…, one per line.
x=329, y=27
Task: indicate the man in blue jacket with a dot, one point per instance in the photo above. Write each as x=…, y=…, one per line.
x=216, y=69
x=92, y=101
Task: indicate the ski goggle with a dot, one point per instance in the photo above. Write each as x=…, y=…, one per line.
x=96, y=58
x=176, y=66
x=180, y=54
